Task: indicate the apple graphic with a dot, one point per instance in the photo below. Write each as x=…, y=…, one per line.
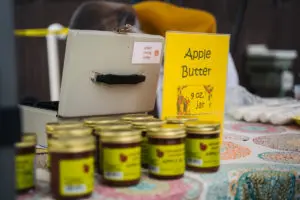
x=159, y=153
x=86, y=168
x=203, y=147
x=123, y=157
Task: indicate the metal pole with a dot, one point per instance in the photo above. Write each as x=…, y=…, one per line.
x=9, y=111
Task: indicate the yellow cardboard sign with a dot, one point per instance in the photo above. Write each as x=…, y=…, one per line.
x=195, y=70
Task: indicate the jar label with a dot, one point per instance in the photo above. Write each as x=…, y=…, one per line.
x=166, y=160
x=122, y=164
x=24, y=171
x=76, y=176
x=145, y=150
x=203, y=152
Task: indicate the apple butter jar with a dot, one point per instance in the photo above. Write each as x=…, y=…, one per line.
x=24, y=163
x=180, y=119
x=72, y=167
x=143, y=126
x=106, y=127
x=121, y=151
x=133, y=117
x=166, y=146
x=68, y=131
x=203, y=146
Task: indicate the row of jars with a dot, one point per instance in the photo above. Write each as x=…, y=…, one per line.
x=118, y=148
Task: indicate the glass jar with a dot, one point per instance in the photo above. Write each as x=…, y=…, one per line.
x=72, y=167
x=203, y=146
x=133, y=117
x=70, y=131
x=166, y=147
x=180, y=119
x=106, y=127
x=25, y=162
x=121, y=153
x=143, y=126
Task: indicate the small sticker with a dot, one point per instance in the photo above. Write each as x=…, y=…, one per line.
x=147, y=53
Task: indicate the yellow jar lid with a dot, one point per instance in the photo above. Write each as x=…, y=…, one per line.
x=52, y=126
x=147, y=123
x=133, y=117
x=125, y=139
x=27, y=140
x=72, y=144
x=167, y=131
x=180, y=119
x=119, y=133
x=198, y=127
x=112, y=126
x=94, y=121
x=70, y=132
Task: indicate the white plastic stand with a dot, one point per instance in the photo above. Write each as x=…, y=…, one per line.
x=53, y=60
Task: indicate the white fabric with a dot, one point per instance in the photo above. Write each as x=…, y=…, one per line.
x=276, y=112
x=232, y=81
x=232, y=76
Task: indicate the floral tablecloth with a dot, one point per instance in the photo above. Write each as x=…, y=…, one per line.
x=259, y=161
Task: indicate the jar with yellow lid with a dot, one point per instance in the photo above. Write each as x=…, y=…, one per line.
x=133, y=117
x=166, y=147
x=121, y=157
x=72, y=167
x=203, y=146
x=180, y=119
x=97, y=132
x=25, y=162
x=144, y=125
x=65, y=132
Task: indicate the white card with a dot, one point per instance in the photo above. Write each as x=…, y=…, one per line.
x=147, y=53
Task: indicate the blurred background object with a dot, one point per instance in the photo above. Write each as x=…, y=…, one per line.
x=270, y=71
x=10, y=123
x=266, y=22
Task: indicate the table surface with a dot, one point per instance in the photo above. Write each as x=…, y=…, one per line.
x=259, y=161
